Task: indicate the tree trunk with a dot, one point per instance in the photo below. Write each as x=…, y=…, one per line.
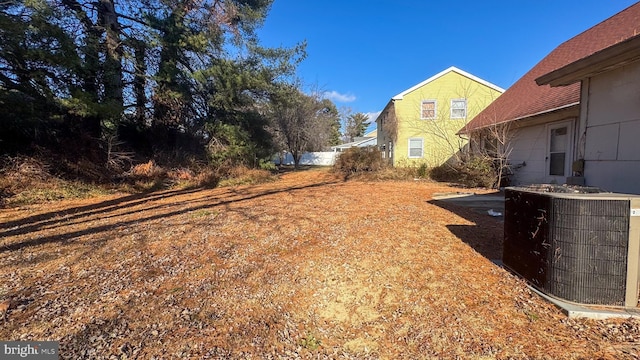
x=91, y=67
x=296, y=159
x=167, y=102
x=112, y=81
x=139, y=82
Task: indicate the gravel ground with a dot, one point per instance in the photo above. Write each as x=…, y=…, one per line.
x=307, y=267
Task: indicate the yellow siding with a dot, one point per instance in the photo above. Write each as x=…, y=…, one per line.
x=440, y=142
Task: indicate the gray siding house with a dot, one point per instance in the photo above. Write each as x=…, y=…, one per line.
x=575, y=117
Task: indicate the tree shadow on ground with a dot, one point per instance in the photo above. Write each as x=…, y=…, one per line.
x=35, y=222
x=486, y=235
x=107, y=207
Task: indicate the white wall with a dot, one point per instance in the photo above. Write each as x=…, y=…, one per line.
x=327, y=158
x=612, y=140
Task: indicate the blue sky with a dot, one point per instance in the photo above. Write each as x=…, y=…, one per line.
x=363, y=52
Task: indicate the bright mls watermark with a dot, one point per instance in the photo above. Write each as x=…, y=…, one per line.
x=37, y=350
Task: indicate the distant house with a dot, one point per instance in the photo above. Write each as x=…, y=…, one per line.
x=369, y=139
x=419, y=125
x=575, y=116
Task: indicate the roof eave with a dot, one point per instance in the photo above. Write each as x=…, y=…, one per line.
x=466, y=131
x=620, y=54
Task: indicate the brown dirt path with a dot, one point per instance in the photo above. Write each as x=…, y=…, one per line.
x=305, y=267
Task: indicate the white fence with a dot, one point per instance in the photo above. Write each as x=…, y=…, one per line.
x=326, y=158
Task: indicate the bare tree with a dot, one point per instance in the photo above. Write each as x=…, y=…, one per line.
x=494, y=144
x=301, y=122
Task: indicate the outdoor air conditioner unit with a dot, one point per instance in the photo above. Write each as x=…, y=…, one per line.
x=574, y=243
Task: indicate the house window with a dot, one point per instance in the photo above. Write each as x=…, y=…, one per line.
x=557, y=151
x=415, y=148
x=458, y=108
x=428, y=109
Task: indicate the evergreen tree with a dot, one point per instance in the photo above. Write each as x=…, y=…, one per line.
x=356, y=125
x=155, y=67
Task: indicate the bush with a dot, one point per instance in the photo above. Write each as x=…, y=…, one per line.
x=267, y=164
x=475, y=172
x=206, y=178
x=147, y=170
x=358, y=159
x=422, y=171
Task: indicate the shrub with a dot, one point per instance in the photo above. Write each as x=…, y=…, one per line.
x=475, y=172
x=422, y=171
x=358, y=159
x=147, y=170
x=206, y=178
x=267, y=164
x=181, y=174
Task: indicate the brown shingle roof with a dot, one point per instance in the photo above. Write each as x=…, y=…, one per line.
x=526, y=98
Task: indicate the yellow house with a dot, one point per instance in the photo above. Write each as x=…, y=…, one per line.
x=419, y=125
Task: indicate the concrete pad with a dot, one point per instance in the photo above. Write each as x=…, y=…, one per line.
x=480, y=203
x=573, y=310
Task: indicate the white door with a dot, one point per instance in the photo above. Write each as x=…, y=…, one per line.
x=559, y=154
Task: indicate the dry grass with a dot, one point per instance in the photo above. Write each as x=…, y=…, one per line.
x=28, y=180
x=308, y=266
x=25, y=180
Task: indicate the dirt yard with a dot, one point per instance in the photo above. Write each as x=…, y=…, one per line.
x=305, y=267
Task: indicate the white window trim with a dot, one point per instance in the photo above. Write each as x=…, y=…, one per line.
x=435, y=109
x=421, y=148
x=465, y=109
x=568, y=160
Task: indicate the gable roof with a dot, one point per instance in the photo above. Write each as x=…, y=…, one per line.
x=525, y=98
x=442, y=73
